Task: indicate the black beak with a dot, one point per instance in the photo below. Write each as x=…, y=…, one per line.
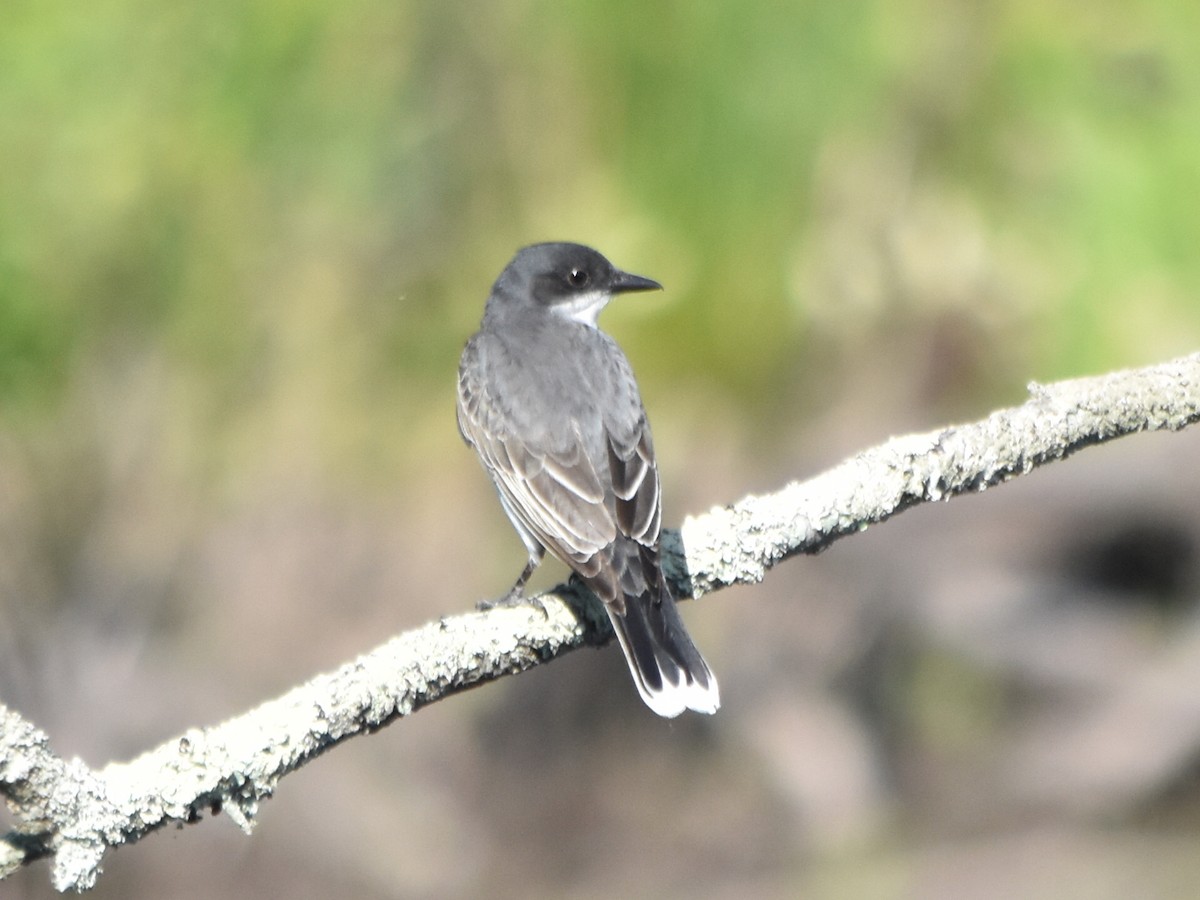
x=624, y=282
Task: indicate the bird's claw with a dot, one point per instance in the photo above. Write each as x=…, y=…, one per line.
x=512, y=599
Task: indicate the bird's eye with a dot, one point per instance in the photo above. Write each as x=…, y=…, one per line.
x=577, y=277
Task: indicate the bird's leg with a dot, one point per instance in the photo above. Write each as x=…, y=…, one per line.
x=516, y=594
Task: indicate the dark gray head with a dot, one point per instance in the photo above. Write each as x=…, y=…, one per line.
x=568, y=280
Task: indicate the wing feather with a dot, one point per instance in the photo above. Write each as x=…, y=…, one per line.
x=561, y=494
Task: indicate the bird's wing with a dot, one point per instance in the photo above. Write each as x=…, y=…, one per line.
x=557, y=493
x=556, y=487
x=635, y=484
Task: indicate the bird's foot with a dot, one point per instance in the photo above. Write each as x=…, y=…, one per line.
x=515, y=597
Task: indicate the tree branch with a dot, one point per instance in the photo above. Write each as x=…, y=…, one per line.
x=70, y=812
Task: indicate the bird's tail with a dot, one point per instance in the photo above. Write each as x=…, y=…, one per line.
x=668, y=670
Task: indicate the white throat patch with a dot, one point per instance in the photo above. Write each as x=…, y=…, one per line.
x=584, y=308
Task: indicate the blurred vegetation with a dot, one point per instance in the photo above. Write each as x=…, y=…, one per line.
x=256, y=190
x=242, y=243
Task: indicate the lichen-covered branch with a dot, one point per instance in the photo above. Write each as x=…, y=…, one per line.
x=738, y=543
x=74, y=814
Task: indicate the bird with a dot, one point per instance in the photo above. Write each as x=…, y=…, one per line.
x=550, y=404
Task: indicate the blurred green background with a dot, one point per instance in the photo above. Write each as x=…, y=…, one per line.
x=241, y=245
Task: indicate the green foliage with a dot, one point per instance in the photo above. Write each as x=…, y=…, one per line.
x=236, y=184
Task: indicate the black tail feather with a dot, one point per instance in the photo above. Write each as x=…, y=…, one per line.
x=668, y=670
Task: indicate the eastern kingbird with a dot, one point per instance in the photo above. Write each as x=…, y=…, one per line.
x=550, y=404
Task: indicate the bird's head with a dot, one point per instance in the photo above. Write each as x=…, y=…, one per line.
x=567, y=280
